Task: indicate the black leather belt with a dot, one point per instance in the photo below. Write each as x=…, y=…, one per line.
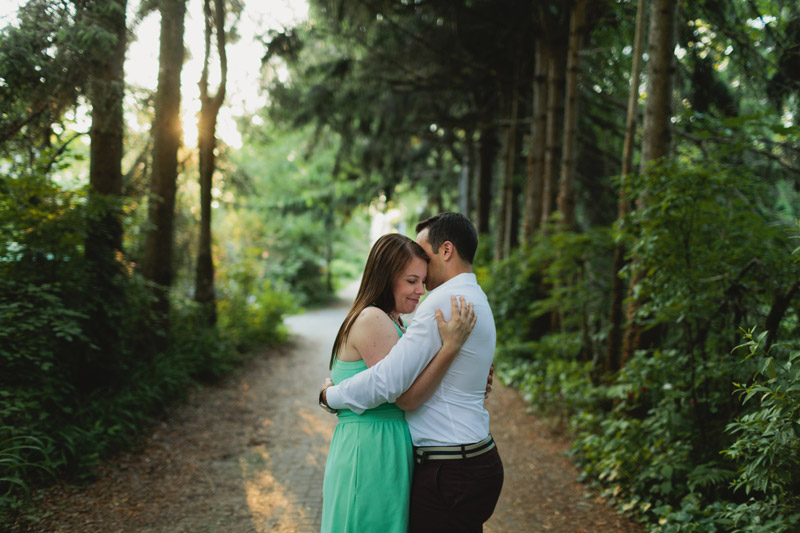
x=463, y=451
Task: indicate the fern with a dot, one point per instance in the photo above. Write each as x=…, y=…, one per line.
x=709, y=474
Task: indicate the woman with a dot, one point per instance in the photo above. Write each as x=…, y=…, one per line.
x=369, y=466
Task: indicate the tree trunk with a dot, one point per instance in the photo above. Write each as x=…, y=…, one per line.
x=612, y=362
x=206, y=144
x=157, y=256
x=555, y=123
x=656, y=139
x=512, y=209
x=504, y=219
x=660, y=74
x=464, y=179
x=783, y=298
x=487, y=151
x=513, y=223
x=106, y=91
x=104, y=234
x=534, y=182
x=435, y=195
x=566, y=195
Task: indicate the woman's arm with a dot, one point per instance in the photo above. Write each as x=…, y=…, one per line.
x=454, y=335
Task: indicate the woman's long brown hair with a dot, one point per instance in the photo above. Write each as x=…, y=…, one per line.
x=387, y=260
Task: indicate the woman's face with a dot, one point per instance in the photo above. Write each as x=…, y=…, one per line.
x=409, y=286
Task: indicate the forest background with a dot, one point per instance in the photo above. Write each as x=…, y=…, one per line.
x=631, y=166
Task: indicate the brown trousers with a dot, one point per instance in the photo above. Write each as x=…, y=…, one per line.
x=455, y=496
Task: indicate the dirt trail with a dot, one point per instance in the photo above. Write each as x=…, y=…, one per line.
x=248, y=455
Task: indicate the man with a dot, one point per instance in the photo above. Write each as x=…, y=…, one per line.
x=458, y=473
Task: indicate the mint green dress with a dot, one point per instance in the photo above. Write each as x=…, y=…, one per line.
x=368, y=472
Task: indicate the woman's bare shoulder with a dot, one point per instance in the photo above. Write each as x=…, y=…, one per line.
x=370, y=325
x=373, y=335
x=371, y=317
x=368, y=322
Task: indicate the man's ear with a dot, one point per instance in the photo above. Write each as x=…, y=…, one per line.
x=447, y=251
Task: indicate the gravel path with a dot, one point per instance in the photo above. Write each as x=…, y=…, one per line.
x=248, y=455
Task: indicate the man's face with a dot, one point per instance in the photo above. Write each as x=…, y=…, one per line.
x=436, y=266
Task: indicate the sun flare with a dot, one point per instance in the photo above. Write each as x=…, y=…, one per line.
x=243, y=91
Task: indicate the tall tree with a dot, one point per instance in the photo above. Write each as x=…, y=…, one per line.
x=106, y=91
x=157, y=255
x=534, y=173
x=487, y=151
x=612, y=361
x=556, y=71
x=104, y=234
x=465, y=192
x=206, y=144
x=566, y=194
x=504, y=227
x=656, y=135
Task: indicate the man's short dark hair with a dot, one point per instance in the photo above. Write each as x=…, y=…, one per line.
x=453, y=227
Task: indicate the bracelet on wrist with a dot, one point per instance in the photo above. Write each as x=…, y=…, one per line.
x=323, y=404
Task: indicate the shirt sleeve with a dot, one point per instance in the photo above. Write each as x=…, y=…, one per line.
x=394, y=374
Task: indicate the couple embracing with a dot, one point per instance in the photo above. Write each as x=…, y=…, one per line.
x=412, y=449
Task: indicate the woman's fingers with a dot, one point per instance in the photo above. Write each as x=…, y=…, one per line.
x=467, y=314
x=462, y=316
x=439, y=318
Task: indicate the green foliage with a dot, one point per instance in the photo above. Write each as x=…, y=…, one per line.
x=15, y=458
x=398, y=86
x=545, y=375
x=290, y=215
x=767, y=445
x=46, y=58
x=695, y=247
x=64, y=401
x=41, y=225
x=650, y=455
x=559, y=280
x=250, y=310
x=658, y=443
x=655, y=437
x=702, y=273
x=764, y=452
x=391, y=96
x=34, y=320
x=49, y=429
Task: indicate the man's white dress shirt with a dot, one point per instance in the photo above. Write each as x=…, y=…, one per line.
x=455, y=413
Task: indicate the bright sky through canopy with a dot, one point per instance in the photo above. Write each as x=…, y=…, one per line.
x=244, y=58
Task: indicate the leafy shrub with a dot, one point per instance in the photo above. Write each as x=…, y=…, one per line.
x=767, y=445
x=704, y=255
x=648, y=452
x=655, y=436
x=546, y=378
x=553, y=286
x=251, y=310
x=66, y=400
x=36, y=328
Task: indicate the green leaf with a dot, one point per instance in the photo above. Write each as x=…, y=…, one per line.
x=767, y=368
